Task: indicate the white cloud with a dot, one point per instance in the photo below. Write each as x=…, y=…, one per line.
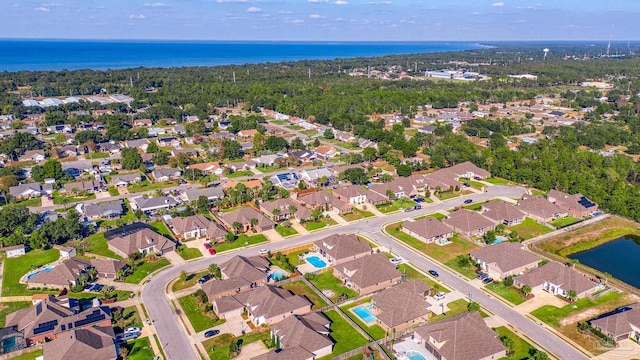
x=285, y=12
x=42, y=9
x=140, y=17
x=498, y=4
x=520, y=21
x=231, y=1
x=156, y=5
x=316, y=16
x=295, y=21
x=341, y=2
x=254, y=9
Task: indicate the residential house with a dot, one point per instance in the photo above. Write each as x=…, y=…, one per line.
x=285, y=209
x=150, y=205
x=266, y=305
x=249, y=133
x=14, y=251
x=109, y=148
x=622, y=324
x=325, y=201
x=63, y=275
x=325, y=152
x=141, y=144
x=469, y=223
x=192, y=153
x=428, y=230
x=211, y=193
x=557, y=279
x=137, y=238
x=244, y=216
x=177, y=130
x=126, y=179
x=442, y=180
x=166, y=174
x=155, y=132
x=317, y=177
x=460, y=337
x=288, y=180
x=418, y=181
x=197, y=226
x=266, y=160
x=208, y=168
x=340, y=248
x=504, y=259
x=59, y=129
x=67, y=150
x=540, y=209
x=502, y=212
x=301, y=338
x=402, y=306
x=33, y=155
x=577, y=204
x=108, y=268
x=106, y=210
x=355, y=194
x=142, y=122
x=67, y=252
x=249, y=184
x=469, y=170
x=368, y=274
x=242, y=165
x=238, y=274
x=303, y=156
x=31, y=190
x=427, y=129
x=96, y=343
x=168, y=141
x=52, y=317
x=399, y=188
x=89, y=187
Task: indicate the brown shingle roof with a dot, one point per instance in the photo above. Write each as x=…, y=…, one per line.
x=468, y=167
x=538, y=206
x=270, y=301
x=463, y=337
x=402, y=303
x=506, y=256
x=467, y=221
x=251, y=269
x=63, y=274
x=132, y=241
x=567, y=278
x=108, y=266
x=499, y=211
x=302, y=332
x=244, y=216
x=343, y=246
x=620, y=323
x=194, y=222
x=427, y=227
x=92, y=343
x=369, y=270
x=283, y=205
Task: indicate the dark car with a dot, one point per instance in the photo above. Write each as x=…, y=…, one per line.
x=482, y=276
x=204, y=279
x=468, y=201
x=418, y=200
x=418, y=207
x=434, y=273
x=211, y=333
x=487, y=280
x=408, y=209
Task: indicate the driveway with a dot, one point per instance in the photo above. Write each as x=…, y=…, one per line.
x=252, y=350
x=540, y=299
x=233, y=325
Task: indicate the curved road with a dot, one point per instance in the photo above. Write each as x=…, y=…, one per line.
x=176, y=343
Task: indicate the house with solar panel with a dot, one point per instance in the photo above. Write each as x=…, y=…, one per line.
x=577, y=204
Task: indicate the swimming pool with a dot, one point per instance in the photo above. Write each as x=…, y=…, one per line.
x=47, y=269
x=316, y=262
x=414, y=355
x=498, y=240
x=278, y=275
x=364, y=314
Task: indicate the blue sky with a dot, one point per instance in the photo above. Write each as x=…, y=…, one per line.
x=335, y=20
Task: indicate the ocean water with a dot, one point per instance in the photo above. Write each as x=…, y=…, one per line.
x=16, y=55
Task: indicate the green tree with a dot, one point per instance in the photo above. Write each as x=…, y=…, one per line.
x=509, y=344
x=328, y=134
x=237, y=227
x=355, y=175
x=508, y=281
x=202, y=204
x=152, y=148
x=231, y=149
x=526, y=290
x=370, y=154
x=403, y=170
x=130, y=159
x=473, y=306
x=572, y=294
x=161, y=157
x=275, y=143
x=214, y=270
x=183, y=276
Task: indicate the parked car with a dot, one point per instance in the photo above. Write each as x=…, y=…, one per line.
x=487, y=280
x=133, y=329
x=418, y=207
x=482, y=276
x=127, y=336
x=210, y=333
x=466, y=184
x=204, y=279
x=212, y=251
x=396, y=261
x=207, y=245
x=468, y=201
x=434, y=273
x=418, y=200
x=408, y=209
x=439, y=296
x=263, y=251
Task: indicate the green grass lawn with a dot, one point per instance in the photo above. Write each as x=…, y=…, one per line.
x=59, y=199
x=396, y=205
x=96, y=155
x=551, y=315
x=434, y=215
x=468, y=272
x=218, y=347
x=241, y=241
x=448, y=195
x=269, y=169
x=521, y=347
x=326, y=280
x=15, y=268
x=358, y=214
x=299, y=287
x=113, y=191
x=120, y=295
x=161, y=228
x=139, y=349
x=9, y=307
x=376, y=331
x=192, y=279
x=240, y=173
x=29, y=356
x=196, y=315
x=346, y=338
x=33, y=202
x=455, y=307
x=529, y=228
x=315, y=225
x=569, y=220
x=294, y=258
x=510, y=293
x=190, y=253
x=497, y=181
x=146, y=185
x=283, y=231
x=98, y=245
x=145, y=268
x=475, y=184
x=411, y=273
x=130, y=317
x=475, y=207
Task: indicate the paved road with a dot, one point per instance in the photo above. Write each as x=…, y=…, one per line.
x=302, y=135
x=176, y=343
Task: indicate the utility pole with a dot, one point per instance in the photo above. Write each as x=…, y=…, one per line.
x=234, y=77
x=309, y=73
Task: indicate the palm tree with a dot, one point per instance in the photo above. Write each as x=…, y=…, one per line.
x=275, y=213
x=572, y=294
x=214, y=270
x=254, y=222
x=237, y=227
x=293, y=209
x=92, y=273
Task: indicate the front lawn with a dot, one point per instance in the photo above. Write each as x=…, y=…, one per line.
x=29, y=356
x=564, y=222
x=396, y=205
x=411, y=273
x=10, y=307
x=315, y=225
x=192, y=279
x=284, y=232
x=240, y=173
x=520, y=346
x=346, y=338
x=325, y=280
x=161, y=228
x=130, y=318
x=139, y=349
x=375, y=330
x=96, y=155
x=357, y=214
x=269, y=169
x=199, y=319
x=15, y=268
x=497, y=181
x=113, y=191
x=120, y=295
x=218, y=347
x=188, y=253
x=299, y=287
x=146, y=185
x=144, y=268
x=33, y=202
x=508, y=293
x=475, y=207
x=98, y=245
x=529, y=228
x=454, y=308
x=434, y=215
x=60, y=199
x=448, y=195
x=551, y=315
x=242, y=240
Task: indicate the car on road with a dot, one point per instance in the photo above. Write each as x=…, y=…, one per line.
x=439, y=296
x=482, y=276
x=210, y=333
x=263, y=251
x=204, y=279
x=468, y=201
x=408, y=209
x=487, y=280
x=396, y=261
x=127, y=336
x=434, y=273
x=212, y=251
x=132, y=330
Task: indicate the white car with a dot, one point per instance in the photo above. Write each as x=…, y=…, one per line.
x=263, y=251
x=396, y=261
x=133, y=330
x=439, y=296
